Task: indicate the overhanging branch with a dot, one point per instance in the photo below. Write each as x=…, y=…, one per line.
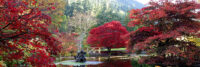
x=15, y=36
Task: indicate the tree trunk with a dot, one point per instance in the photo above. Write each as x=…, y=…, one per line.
x=109, y=52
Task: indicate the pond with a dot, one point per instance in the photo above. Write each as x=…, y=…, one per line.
x=100, y=62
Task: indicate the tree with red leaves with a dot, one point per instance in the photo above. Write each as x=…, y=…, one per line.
x=110, y=35
x=167, y=24
x=24, y=34
x=69, y=41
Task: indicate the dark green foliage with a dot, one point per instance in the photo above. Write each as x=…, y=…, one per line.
x=80, y=6
x=107, y=16
x=136, y=64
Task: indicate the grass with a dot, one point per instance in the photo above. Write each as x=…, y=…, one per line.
x=115, y=49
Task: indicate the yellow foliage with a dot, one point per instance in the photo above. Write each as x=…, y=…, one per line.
x=53, y=8
x=2, y=64
x=195, y=40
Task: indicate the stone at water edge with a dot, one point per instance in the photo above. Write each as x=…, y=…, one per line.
x=80, y=56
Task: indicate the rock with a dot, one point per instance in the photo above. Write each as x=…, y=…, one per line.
x=80, y=56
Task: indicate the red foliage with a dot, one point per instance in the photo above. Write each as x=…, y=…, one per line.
x=40, y=58
x=141, y=35
x=16, y=56
x=167, y=15
x=69, y=41
x=166, y=21
x=21, y=24
x=109, y=35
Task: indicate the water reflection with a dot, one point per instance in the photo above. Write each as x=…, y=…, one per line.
x=114, y=62
x=74, y=63
x=107, y=63
x=80, y=66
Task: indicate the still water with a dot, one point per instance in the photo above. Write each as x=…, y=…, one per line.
x=113, y=62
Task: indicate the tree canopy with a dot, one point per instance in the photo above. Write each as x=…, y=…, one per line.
x=167, y=25
x=109, y=35
x=24, y=34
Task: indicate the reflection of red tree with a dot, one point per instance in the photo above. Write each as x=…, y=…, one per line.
x=114, y=63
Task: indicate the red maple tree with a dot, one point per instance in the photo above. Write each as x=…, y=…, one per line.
x=110, y=35
x=22, y=26
x=164, y=22
x=69, y=41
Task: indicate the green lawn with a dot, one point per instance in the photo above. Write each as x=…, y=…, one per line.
x=115, y=49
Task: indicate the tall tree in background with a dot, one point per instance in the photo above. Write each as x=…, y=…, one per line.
x=167, y=26
x=107, y=15
x=81, y=6
x=110, y=35
x=24, y=35
x=98, y=9
x=81, y=23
